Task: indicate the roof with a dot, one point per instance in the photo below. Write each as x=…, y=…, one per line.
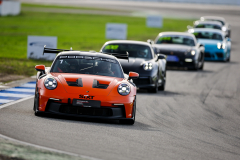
x=208, y=22
x=212, y=17
x=128, y=42
x=206, y=30
x=176, y=33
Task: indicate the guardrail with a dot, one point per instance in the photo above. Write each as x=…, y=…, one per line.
x=223, y=2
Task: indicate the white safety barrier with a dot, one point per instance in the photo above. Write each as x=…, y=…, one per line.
x=9, y=7
x=226, y=2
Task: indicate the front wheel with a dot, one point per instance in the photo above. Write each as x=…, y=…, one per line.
x=153, y=90
x=201, y=67
x=36, y=104
x=162, y=87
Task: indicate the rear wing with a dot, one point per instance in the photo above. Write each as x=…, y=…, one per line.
x=52, y=50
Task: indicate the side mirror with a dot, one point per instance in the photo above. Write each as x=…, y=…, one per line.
x=150, y=41
x=228, y=39
x=133, y=75
x=161, y=56
x=200, y=45
x=40, y=68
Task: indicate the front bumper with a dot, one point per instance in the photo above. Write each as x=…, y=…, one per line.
x=145, y=82
x=117, y=112
x=215, y=55
x=188, y=62
x=111, y=107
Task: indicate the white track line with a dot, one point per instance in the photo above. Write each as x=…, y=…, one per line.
x=17, y=101
x=6, y=100
x=15, y=95
x=20, y=90
x=37, y=146
x=28, y=85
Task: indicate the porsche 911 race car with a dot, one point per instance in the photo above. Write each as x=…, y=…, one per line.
x=85, y=84
x=225, y=26
x=181, y=49
x=208, y=24
x=217, y=45
x=151, y=67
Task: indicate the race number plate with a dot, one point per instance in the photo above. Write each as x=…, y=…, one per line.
x=86, y=103
x=171, y=58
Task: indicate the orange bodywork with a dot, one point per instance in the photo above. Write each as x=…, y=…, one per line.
x=109, y=97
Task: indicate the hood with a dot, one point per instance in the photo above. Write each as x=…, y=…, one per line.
x=134, y=64
x=87, y=84
x=208, y=41
x=173, y=47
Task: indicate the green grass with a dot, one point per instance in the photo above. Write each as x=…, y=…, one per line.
x=63, y=7
x=79, y=31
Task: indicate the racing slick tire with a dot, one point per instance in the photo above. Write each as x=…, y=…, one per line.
x=132, y=120
x=36, y=104
x=153, y=90
x=162, y=87
x=228, y=60
x=201, y=68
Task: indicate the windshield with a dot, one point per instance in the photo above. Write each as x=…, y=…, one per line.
x=223, y=23
x=87, y=65
x=134, y=50
x=176, y=39
x=208, y=35
x=208, y=26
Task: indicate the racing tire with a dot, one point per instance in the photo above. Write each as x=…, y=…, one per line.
x=162, y=87
x=153, y=90
x=132, y=120
x=228, y=60
x=36, y=104
x=201, y=68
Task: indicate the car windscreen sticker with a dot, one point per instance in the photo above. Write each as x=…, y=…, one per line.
x=111, y=46
x=108, y=60
x=63, y=56
x=79, y=56
x=88, y=57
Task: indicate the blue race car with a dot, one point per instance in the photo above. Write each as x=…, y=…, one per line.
x=217, y=45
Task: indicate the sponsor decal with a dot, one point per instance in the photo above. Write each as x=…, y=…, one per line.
x=81, y=102
x=86, y=96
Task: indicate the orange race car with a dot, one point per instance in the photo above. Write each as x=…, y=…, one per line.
x=86, y=84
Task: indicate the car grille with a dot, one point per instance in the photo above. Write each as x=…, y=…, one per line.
x=207, y=55
x=176, y=53
x=220, y=55
x=85, y=111
x=140, y=81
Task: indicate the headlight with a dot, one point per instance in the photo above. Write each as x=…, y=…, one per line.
x=50, y=83
x=224, y=29
x=124, y=89
x=193, y=52
x=190, y=53
x=147, y=66
x=221, y=46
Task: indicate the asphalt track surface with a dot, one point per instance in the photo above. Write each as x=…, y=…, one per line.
x=197, y=117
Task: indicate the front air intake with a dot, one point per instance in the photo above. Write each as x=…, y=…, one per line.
x=96, y=84
x=77, y=83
